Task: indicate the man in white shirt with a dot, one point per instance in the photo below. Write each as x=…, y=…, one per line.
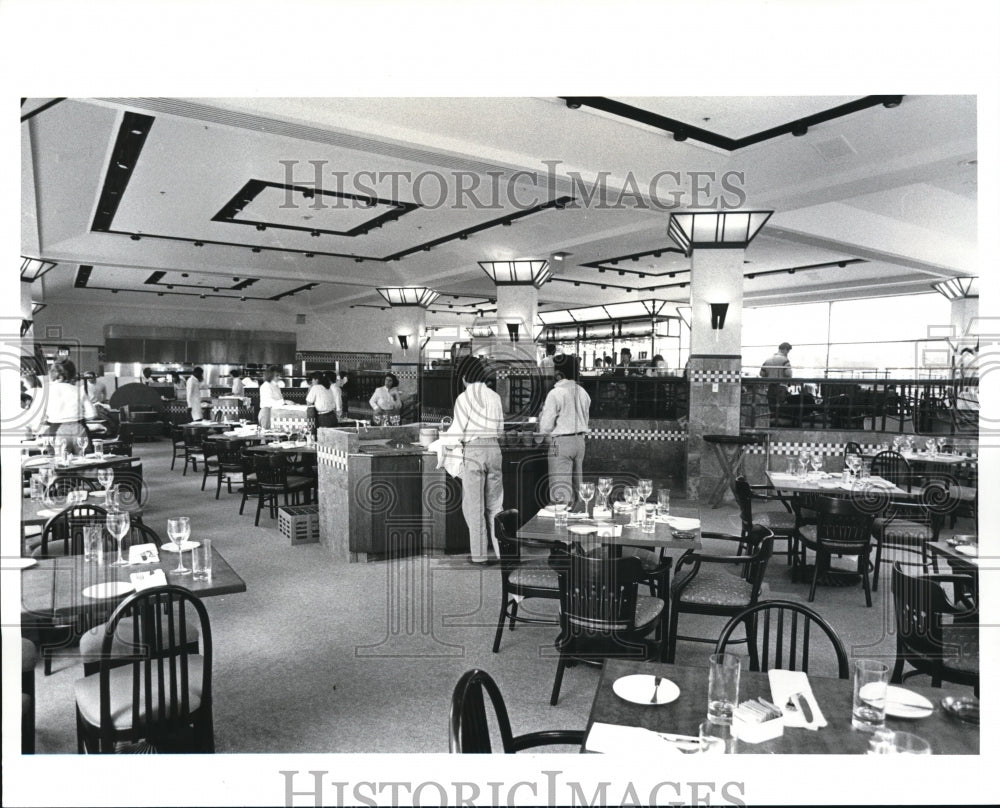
x=478, y=421
x=338, y=394
x=565, y=419
x=194, y=393
x=237, y=383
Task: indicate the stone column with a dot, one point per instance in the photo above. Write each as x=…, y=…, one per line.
x=964, y=313
x=714, y=368
x=408, y=321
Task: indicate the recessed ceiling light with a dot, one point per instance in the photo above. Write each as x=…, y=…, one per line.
x=967, y=163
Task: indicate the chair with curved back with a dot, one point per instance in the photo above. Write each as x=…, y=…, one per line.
x=192, y=448
x=719, y=584
x=907, y=526
x=841, y=528
x=934, y=635
x=780, y=523
x=62, y=534
x=273, y=480
x=122, y=444
x=209, y=457
x=853, y=448
x=781, y=637
x=249, y=474
x=228, y=464
x=177, y=442
x=895, y=468
x=520, y=579
x=602, y=614
x=161, y=698
x=469, y=726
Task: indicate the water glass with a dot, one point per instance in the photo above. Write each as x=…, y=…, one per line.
x=561, y=514
x=649, y=518
x=715, y=739
x=887, y=742
x=98, y=447
x=663, y=501
x=201, y=561
x=37, y=489
x=871, y=682
x=723, y=687
x=93, y=544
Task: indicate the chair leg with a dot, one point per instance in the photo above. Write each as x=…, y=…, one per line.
x=751, y=631
x=557, y=684
x=500, y=622
x=812, y=589
x=218, y=486
x=260, y=504
x=878, y=564
x=672, y=634
x=513, y=614
x=863, y=563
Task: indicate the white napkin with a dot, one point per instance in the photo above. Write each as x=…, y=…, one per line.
x=449, y=453
x=619, y=740
x=786, y=683
x=147, y=580
x=143, y=554
x=680, y=523
x=571, y=515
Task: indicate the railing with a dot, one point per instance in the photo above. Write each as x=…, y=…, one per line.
x=922, y=406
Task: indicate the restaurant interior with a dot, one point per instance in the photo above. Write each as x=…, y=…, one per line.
x=361, y=237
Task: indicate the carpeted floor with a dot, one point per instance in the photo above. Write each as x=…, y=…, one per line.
x=324, y=656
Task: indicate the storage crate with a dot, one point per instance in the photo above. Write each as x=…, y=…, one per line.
x=299, y=523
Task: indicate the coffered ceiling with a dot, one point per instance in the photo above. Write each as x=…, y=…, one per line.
x=321, y=200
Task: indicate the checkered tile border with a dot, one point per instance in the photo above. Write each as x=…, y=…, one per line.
x=405, y=375
x=727, y=376
x=638, y=434
x=328, y=456
x=827, y=449
x=289, y=422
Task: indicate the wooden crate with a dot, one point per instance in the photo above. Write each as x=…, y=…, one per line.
x=299, y=523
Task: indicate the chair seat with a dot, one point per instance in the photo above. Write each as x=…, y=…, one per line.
x=91, y=641
x=961, y=648
x=293, y=482
x=775, y=520
x=713, y=587
x=647, y=610
x=901, y=531
x=88, y=695
x=808, y=535
x=534, y=578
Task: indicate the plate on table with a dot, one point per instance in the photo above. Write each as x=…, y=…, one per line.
x=639, y=688
x=582, y=529
x=170, y=547
x=111, y=589
x=35, y=462
x=47, y=513
x=967, y=549
x=902, y=703
x=829, y=483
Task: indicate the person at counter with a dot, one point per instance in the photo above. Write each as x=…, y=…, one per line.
x=385, y=401
x=625, y=366
x=478, y=421
x=338, y=394
x=237, y=383
x=565, y=419
x=147, y=376
x=546, y=363
x=270, y=396
x=657, y=367
x=321, y=397
x=195, y=392
x=66, y=407
x=778, y=366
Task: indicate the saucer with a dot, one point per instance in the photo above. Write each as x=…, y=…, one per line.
x=639, y=688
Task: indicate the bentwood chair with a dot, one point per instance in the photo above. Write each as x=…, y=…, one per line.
x=907, y=526
x=934, y=635
x=841, y=528
x=177, y=442
x=520, y=579
x=273, y=480
x=160, y=699
x=469, y=725
x=895, y=468
x=228, y=464
x=249, y=477
x=192, y=449
x=780, y=523
x=719, y=584
x=210, y=459
x=782, y=633
x=603, y=616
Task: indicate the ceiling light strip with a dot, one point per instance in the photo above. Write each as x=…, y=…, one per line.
x=128, y=146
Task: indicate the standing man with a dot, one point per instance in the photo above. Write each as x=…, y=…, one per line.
x=777, y=367
x=237, y=382
x=194, y=394
x=566, y=419
x=625, y=365
x=478, y=421
x=338, y=394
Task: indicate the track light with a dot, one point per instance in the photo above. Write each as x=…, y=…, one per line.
x=135, y=237
x=572, y=103
x=799, y=129
x=261, y=227
x=892, y=101
x=680, y=135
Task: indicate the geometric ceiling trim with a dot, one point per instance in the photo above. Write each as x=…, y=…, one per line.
x=612, y=263
x=304, y=288
x=203, y=293
x=40, y=109
x=504, y=221
x=128, y=145
x=684, y=131
x=156, y=279
x=82, y=276
x=249, y=192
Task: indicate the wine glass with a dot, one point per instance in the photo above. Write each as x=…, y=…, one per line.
x=118, y=524
x=105, y=477
x=178, y=529
x=45, y=441
x=853, y=464
x=631, y=496
x=604, y=485
x=644, y=489
x=586, y=494
x=81, y=443
x=817, y=462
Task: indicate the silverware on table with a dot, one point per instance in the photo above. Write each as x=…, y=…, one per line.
x=656, y=689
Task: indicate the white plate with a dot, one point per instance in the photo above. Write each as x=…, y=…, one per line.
x=828, y=484
x=35, y=462
x=638, y=689
x=967, y=549
x=47, y=513
x=111, y=589
x=23, y=563
x=170, y=547
x=582, y=529
x=902, y=703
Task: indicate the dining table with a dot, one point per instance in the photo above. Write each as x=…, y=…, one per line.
x=589, y=531
x=832, y=485
x=38, y=512
x=76, y=463
x=284, y=447
x=947, y=734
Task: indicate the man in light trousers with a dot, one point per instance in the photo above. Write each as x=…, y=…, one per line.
x=565, y=419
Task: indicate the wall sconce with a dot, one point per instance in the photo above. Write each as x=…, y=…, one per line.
x=513, y=329
x=404, y=341
x=719, y=315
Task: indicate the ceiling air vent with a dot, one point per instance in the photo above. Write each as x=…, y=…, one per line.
x=300, y=319
x=834, y=149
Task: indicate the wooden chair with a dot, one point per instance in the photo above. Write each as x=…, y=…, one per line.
x=209, y=458
x=228, y=464
x=469, y=726
x=520, y=579
x=907, y=526
x=273, y=480
x=781, y=636
x=723, y=585
x=249, y=477
x=780, y=523
x=841, y=529
x=177, y=441
x=62, y=534
x=895, y=468
x=934, y=635
x=161, y=698
x=602, y=613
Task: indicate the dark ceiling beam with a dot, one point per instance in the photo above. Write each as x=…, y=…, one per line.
x=40, y=109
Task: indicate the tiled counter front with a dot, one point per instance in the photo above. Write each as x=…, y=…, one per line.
x=638, y=448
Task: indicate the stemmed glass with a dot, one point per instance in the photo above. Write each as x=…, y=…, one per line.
x=81, y=443
x=631, y=496
x=604, y=485
x=45, y=441
x=105, y=477
x=931, y=447
x=178, y=529
x=118, y=524
x=817, y=462
x=854, y=464
x=586, y=494
x=644, y=488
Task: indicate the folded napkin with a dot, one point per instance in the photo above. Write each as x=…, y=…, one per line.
x=147, y=580
x=143, y=554
x=449, y=453
x=47, y=513
x=787, y=683
x=680, y=523
x=572, y=514
x=619, y=740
